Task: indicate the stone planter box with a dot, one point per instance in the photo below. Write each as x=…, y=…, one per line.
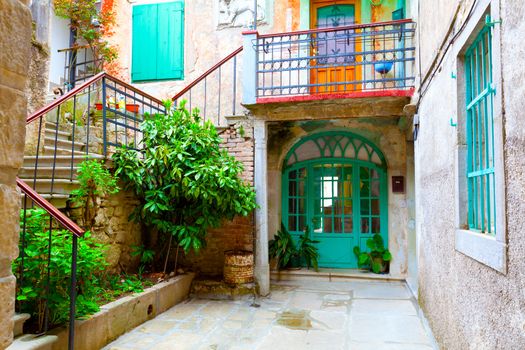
x=121, y=316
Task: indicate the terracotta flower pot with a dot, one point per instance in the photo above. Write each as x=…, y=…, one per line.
x=132, y=107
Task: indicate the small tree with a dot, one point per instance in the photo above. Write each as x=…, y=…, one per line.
x=89, y=24
x=95, y=181
x=186, y=182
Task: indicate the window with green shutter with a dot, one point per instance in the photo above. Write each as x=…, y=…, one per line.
x=158, y=41
x=480, y=134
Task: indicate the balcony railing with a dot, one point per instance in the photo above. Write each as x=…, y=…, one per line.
x=347, y=59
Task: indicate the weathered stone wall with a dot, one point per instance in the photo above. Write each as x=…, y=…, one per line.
x=387, y=133
x=111, y=226
x=15, y=41
x=468, y=304
x=235, y=234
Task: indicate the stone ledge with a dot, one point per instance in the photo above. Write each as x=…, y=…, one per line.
x=122, y=315
x=330, y=275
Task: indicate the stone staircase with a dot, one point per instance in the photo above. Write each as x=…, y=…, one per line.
x=56, y=166
x=29, y=341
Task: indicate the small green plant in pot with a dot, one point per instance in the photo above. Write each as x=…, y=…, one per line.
x=307, y=249
x=377, y=258
x=283, y=249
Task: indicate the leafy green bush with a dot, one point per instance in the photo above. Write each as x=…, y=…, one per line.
x=283, y=249
x=94, y=286
x=95, y=181
x=377, y=258
x=187, y=184
x=32, y=291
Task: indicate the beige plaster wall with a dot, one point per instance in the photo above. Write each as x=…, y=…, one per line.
x=15, y=41
x=468, y=304
x=383, y=132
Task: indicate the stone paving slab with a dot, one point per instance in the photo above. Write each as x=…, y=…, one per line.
x=360, y=315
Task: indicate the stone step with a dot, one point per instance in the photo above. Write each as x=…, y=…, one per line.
x=19, y=320
x=49, y=150
x=47, y=172
x=60, y=160
x=60, y=186
x=58, y=200
x=62, y=135
x=33, y=342
x=64, y=144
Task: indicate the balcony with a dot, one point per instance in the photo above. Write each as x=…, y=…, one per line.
x=357, y=64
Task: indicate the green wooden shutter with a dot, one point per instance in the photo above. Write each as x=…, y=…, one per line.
x=144, y=51
x=158, y=41
x=170, y=59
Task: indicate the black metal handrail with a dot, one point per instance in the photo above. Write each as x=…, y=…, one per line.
x=208, y=90
x=56, y=217
x=90, y=121
x=346, y=59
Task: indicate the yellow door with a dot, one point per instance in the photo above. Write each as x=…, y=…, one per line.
x=334, y=64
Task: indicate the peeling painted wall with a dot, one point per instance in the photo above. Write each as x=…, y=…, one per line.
x=468, y=304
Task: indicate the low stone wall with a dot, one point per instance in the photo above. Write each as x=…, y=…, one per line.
x=121, y=316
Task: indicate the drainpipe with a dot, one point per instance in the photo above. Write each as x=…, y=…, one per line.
x=254, y=14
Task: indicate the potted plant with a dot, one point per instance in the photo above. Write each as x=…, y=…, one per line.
x=377, y=258
x=283, y=249
x=307, y=250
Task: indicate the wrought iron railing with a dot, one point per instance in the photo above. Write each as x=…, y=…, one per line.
x=90, y=121
x=217, y=91
x=355, y=58
x=57, y=221
x=80, y=64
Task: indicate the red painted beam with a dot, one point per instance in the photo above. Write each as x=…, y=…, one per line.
x=334, y=96
x=50, y=208
x=337, y=29
x=205, y=74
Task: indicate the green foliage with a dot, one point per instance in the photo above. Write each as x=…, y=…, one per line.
x=95, y=181
x=376, y=258
x=307, y=249
x=90, y=24
x=187, y=184
x=283, y=249
x=32, y=291
x=94, y=285
x=146, y=256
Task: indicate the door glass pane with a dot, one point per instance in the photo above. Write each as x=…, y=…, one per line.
x=330, y=48
x=370, y=202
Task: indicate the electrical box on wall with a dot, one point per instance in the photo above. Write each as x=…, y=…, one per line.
x=398, y=184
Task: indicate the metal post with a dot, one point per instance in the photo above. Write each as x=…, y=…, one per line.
x=234, y=83
x=104, y=131
x=73, y=294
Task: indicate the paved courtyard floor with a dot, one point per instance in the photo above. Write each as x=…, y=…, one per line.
x=371, y=315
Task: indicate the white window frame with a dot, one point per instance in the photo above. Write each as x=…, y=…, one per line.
x=486, y=249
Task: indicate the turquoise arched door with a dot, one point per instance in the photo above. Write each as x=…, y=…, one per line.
x=335, y=182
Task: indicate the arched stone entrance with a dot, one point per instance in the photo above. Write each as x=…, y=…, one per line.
x=336, y=183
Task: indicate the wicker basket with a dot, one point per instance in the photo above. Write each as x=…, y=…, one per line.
x=238, y=266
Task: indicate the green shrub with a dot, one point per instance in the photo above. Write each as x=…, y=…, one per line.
x=32, y=292
x=377, y=258
x=186, y=183
x=95, y=181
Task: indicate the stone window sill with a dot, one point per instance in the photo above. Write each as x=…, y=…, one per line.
x=482, y=248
